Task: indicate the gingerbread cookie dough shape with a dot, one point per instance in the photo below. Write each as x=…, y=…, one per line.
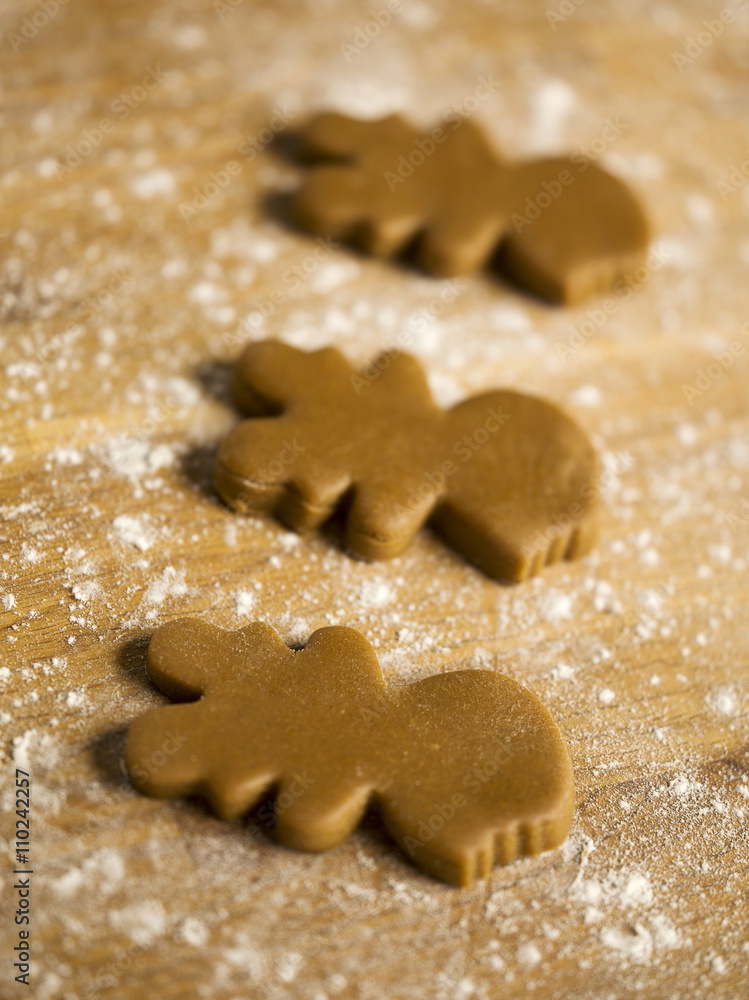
x=507, y=479
x=466, y=768
x=563, y=228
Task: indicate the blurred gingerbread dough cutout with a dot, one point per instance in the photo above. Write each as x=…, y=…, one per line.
x=508, y=480
x=561, y=228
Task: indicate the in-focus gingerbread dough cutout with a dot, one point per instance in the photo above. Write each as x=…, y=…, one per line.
x=564, y=227
x=466, y=768
x=507, y=479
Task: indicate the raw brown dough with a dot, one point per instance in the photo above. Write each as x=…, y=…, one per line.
x=466, y=768
x=509, y=480
x=565, y=228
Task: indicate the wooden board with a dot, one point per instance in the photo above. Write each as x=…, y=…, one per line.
x=121, y=313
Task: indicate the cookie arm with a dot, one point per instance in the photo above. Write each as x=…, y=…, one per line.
x=162, y=753
x=271, y=377
x=335, y=136
x=186, y=656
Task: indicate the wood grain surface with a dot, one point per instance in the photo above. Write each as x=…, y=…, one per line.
x=143, y=240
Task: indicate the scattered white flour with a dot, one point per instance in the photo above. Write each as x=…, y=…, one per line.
x=34, y=748
x=83, y=592
x=135, y=458
x=244, y=601
x=29, y=554
x=134, y=531
x=586, y=395
x=170, y=584
x=509, y=317
x=204, y=292
x=105, y=868
x=723, y=700
x=10, y=513
x=192, y=931
x=635, y=890
x=9, y=601
x=687, y=434
x=66, y=456
x=288, y=541
x=287, y=966
x=155, y=183
x=615, y=888
x=683, y=786
x=635, y=943
x=141, y=922
x=529, y=955
x=721, y=553
x=556, y=606
x=562, y=672
x=650, y=556
x=552, y=103
x=718, y=964
x=375, y=593
x=189, y=37
x=332, y=274
x=69, y=883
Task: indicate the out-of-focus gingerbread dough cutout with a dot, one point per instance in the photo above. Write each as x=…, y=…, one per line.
x=466, y=768
x=564, y=227
x=507, y=479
